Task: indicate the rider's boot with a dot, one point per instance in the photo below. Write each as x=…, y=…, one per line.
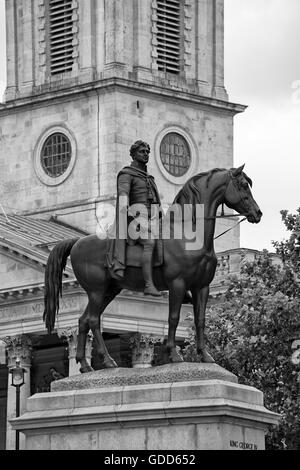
x=150, y=288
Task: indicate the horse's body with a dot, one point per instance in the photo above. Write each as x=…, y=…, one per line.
x=183, y=269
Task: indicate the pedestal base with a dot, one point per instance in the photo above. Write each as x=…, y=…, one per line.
x=181, y=414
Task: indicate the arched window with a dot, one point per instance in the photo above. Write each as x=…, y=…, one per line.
x=56, y=155
x=175, y=154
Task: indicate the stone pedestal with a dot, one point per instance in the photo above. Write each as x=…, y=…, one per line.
x=174, y=407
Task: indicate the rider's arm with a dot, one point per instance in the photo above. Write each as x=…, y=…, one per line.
x=124, y=185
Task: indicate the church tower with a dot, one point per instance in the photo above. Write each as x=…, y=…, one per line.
x=85, y=79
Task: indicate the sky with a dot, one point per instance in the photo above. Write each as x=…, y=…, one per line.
x=262, y=71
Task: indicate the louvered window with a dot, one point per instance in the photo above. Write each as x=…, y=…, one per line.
x=169, y=35
x=61, y=36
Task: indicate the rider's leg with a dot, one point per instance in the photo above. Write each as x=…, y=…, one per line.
x=148, y=249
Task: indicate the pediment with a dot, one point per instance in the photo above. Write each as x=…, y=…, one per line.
x=17, y=271
x=25, y=244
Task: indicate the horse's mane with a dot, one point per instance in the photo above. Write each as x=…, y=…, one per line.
x=190, y=192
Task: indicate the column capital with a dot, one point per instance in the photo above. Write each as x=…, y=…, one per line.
x=70, y=333
x=142, y=346
x=18, y=347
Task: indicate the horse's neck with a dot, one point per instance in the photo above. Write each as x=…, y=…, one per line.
x=211, y=193
x=209, y=200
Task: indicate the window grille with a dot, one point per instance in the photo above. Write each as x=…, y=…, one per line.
x=61, y=36
x=169, y=37
x=56, y=155
x=175, y=154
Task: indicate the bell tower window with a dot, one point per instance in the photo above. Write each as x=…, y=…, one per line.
x=169, y=26
x=61, y=36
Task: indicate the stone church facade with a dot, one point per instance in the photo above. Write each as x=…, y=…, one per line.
x=84, y=81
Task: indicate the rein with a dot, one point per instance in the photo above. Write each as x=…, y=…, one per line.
x=228, y=230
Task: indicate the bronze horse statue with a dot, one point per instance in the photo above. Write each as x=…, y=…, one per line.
x=182, y=269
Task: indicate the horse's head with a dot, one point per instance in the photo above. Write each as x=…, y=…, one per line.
x=238, y=196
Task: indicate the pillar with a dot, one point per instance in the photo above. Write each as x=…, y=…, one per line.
x=71, y=334
x=142, y=346
x=142, y=38
x=17, y=347
x=114, y=34
x=87, y=33
x=202, y=63
x=28, y=47
x=12, y=50
x=218, y=50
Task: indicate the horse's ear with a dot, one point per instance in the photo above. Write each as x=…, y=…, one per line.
x=238, y=171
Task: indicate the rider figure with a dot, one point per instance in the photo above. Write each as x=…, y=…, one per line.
x=137, y=186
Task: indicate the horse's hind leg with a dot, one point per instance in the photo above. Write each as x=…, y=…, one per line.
x=176, y=296
x=97, y=304
x=82, y=335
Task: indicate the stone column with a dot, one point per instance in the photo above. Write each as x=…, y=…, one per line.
x=2, y=353
x=72, y=337
x=28, y=48
x=114, y=35
x=12, y=50
x=17, y=347
x=202, y=47
x=142, y=38
x=218, y=59
x=87, y=34
x=142, y=346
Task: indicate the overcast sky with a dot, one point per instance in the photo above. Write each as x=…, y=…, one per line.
x=262, y=65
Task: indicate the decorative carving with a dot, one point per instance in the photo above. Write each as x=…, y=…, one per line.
x=143, y=349
x=18, y=347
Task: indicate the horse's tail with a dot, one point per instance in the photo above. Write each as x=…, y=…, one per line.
x=53, y=280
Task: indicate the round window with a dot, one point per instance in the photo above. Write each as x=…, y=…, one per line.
x=56, y=155
x=175, y=154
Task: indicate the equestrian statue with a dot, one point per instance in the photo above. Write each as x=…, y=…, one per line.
x=105, y=266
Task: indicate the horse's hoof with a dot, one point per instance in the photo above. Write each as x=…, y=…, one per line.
x=85, y=369
x=206, y=358
x=110, y=363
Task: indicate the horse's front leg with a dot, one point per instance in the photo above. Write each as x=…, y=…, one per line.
x=200, y=298
x=176, y=296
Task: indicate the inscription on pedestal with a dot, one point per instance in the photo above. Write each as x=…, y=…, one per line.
x=243, y=445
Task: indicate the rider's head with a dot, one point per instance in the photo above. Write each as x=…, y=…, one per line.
x=140, y=151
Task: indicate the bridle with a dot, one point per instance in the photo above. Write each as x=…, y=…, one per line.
x=223, y=215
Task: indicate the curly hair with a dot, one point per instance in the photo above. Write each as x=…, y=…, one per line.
x=137, y=145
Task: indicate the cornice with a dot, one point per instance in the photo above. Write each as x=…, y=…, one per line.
x=102, y=86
